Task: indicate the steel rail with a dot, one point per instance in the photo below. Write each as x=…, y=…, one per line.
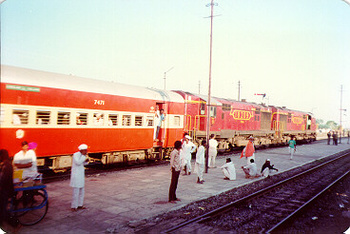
x=292, y=215
x=228, y=206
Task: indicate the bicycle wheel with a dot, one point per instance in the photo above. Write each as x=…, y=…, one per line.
x=36, y=209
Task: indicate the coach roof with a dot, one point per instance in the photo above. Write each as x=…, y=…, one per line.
x=24, y=76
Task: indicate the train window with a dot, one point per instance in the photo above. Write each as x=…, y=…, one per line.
x=177, y=120
x=202, y=109
x=226, y=107
x=42, y=117
x=213, y=111
x=138, y=120
x=20, y=117
x=2, y=115
x=256, y=117
x=150, y=121
x=98, y=119
x=126, y=120
x=81, y=118
x=63, y=118
x=113, y=120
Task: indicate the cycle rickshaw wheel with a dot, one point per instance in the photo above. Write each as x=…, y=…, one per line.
x=38, y=208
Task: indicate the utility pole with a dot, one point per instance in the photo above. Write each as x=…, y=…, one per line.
x=209, y=88
x=239, y=90
x=199, y=87
x=341, y=113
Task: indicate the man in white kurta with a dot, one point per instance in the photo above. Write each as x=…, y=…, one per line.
x=229, y=170
x=200, y=162
x=186, y=154
x=213, y=145
x=77, y=178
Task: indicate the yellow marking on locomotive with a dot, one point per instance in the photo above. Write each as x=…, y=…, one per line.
x=241, y=115
x=297, y=120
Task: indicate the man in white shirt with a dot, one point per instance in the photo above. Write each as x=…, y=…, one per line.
x=213, y=145
x=186, y=154
x=200, y=162
x=25, y=160
x=229, y=170
x=251, y=170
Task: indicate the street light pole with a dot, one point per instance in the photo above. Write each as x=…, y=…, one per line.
x=209, y=88
x=165, y=77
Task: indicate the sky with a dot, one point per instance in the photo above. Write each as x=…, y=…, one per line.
x=296, y=51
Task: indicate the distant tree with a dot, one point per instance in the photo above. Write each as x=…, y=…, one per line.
x=331, y=124
x=328, y=125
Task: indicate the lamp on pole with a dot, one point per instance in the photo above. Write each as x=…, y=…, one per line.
x=165, y=77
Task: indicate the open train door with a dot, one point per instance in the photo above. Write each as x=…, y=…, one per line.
x=160, y=133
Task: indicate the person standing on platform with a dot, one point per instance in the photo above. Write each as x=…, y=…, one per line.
x=186, y=154
x=6, y=185
x=329, y=134
x=335, y=138
x=200, y=162
x=292, y=147
x=251, y=170
x=175, y=167
x=77, y=177
x=249, y=151
x=229, y=170
x=266, y=167
x=213, y=151
x=348, y=137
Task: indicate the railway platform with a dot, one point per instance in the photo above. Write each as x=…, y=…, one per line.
x=117, y=201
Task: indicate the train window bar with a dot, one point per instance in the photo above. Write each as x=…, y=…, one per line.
x=20, y=117
x=63, y=118
x=126, y=120
x=138, y=120
x=113, y=120
x=81, y=118
x=42, y=117
x=150, y=121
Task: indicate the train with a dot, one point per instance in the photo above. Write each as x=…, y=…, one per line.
x=117, y=121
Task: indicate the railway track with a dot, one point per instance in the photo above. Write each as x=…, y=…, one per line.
x=269, y=208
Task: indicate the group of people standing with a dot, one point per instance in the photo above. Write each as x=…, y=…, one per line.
x=181, y=156
x=180, y=159
x=334, y=136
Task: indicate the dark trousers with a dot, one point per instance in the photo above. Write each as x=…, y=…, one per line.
x=173, y=185
x=329, y=140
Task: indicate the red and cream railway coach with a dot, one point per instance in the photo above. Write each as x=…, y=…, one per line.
x=60, y=112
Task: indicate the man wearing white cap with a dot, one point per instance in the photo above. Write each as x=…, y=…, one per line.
x=77, y=178
x=186, y=154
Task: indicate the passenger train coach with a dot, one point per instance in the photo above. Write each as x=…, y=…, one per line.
x=117, y=121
